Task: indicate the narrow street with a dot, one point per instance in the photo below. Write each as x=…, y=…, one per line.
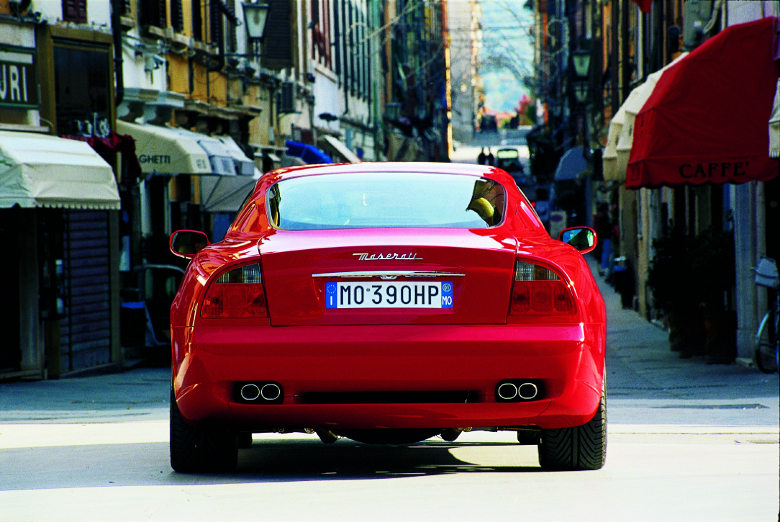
x=687, y=441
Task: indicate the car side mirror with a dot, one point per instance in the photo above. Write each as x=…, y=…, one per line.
x=581, y=238
x=187, y=243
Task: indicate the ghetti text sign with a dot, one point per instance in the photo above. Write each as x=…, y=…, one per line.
x=18, y=84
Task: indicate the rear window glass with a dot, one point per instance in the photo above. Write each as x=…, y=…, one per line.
x=385, y=200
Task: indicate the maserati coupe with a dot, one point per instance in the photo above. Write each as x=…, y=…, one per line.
x=387, y=303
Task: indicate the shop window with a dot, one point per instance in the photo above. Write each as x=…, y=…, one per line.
x=82, y=85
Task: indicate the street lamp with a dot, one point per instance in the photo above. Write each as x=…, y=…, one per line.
x=255, y=17
x=581, y=62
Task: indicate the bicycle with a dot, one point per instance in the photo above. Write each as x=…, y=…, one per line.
x=766, y=340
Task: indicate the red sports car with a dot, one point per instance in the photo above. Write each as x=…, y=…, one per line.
x=387, y=303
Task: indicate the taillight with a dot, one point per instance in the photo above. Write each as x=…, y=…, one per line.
x=537, y=290
x=236, y=293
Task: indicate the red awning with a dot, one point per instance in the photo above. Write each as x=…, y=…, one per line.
x=644, y=5
x=706, y=120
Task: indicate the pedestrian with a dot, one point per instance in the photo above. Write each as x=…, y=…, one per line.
x=482, y=158
x=603, y=233
x=491, y=160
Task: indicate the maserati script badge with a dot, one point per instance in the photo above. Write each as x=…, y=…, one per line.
x=363, y=256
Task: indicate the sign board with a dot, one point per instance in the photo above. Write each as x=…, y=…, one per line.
x=18, y=82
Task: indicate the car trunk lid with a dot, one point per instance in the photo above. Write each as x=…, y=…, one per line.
x=432, y=276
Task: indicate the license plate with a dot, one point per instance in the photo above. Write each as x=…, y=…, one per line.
x=388, y=294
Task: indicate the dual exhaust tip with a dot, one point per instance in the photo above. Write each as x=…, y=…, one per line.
x=517, y=390
x=260, y=392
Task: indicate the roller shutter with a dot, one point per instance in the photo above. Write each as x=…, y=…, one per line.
x=85, y=331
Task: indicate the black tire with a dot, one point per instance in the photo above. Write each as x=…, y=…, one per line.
x=196, y=450
x=578, y=448
x=766, y=349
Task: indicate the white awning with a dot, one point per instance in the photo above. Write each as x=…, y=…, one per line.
x=165, y=150
x=220, y=158
x=631, y=107
x=244, y=165
x=609, y=158
x=38, y=170
x=774, y=126
x=341, y=149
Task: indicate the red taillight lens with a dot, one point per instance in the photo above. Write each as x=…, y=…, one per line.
x=537, y=290
x=236, y=293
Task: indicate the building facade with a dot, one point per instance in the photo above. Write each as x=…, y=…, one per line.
x=160, y=115
x=701, y=235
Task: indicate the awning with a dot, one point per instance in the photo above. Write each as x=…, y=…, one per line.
x=169, y=150
x=243, y=165
x=38, y=170
x=571, y=164
x=308, y=153
x=706, y=120
x=161, y=150
x=631, y=107
x=644, y=5
x=220, y=159
x=226, y=193
x=609, y=158
x=341, y=149
x=774, y=126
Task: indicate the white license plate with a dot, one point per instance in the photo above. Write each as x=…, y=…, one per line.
x=388, y=294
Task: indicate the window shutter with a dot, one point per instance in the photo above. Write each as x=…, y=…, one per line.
x=277, y=41
x=153, y=13
x=215, y=23
x=177, y=17
x=197, y=20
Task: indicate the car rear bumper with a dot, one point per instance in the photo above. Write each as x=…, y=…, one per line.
x=352, y=360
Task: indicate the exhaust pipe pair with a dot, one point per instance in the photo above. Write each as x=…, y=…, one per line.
x=258, y=392
x=517, y=391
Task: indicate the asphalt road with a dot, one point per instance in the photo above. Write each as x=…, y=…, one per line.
x=687, y=441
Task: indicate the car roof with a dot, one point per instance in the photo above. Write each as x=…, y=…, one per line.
x=469, y=169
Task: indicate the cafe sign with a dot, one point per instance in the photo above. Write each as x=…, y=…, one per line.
x=18, y=84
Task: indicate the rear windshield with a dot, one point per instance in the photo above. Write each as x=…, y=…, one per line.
x=385, y=200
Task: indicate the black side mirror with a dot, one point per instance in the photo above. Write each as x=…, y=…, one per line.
x=187, y=243
x=581, y=238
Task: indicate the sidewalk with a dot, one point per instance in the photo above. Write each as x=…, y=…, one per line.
x=649, y=383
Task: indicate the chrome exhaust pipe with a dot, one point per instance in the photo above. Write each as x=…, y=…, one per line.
x=507, y=391
x=527, y=391
x=250, y=392
x=270, y=392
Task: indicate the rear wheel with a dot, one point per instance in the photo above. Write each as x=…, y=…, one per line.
x=578, y=448
x=195, y=449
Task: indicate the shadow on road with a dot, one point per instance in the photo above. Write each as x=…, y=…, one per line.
x=146, y=464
